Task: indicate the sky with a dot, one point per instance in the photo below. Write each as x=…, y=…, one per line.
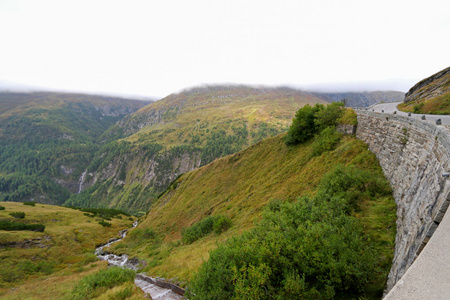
x=155, y=48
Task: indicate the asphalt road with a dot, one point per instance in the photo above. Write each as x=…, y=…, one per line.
x=389, y=108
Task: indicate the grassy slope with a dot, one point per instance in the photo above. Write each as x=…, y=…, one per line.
x=239, y=186
x=195, y=112
x=66, y=255
x=190, y=119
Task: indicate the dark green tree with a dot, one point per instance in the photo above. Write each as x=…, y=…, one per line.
x=303, y=124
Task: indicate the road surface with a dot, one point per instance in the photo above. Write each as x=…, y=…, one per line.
x=390, y=108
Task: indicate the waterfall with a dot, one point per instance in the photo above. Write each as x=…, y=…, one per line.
x=80, y=181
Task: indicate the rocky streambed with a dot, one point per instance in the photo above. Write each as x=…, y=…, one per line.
x=156, y=288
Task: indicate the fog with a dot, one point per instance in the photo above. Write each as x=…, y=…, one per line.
x=154, y=48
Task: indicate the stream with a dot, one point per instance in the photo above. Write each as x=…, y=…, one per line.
x=142, y=281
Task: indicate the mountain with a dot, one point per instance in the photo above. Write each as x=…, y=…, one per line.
x=48, y=139
x=430, y=95
x=362, y=99
x=228, y=197
x=180, y=133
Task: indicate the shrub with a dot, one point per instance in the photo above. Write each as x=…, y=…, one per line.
x=303, y=126
x=2, y=207
x=17, y=214
x=198, y=230
x=329, y=115
x=221, y=224
x=104, y=223
x=310, y=120
x=326, y=140
x=30, y=203
x=10, y=226
x=313, y=248
x=218, y=224
x=92, y=285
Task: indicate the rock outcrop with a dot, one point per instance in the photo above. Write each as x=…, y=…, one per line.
x=433, y=86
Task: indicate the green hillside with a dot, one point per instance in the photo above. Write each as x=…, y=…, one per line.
x=180, y=133
x=430, y=95
x=221, y=206
x=49, y=264
x=48, y=139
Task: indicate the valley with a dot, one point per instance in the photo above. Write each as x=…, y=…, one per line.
x=244, y=192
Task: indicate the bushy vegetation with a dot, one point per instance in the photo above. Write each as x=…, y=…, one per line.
x=326, y=140
x=218, y=224
x=17, y=214
x=310, y=120
x=2, y=207
x=95, y=284
x=104, y=223
x=313, y=248
x=10, y=226
x=105, y=213
x=29, y=203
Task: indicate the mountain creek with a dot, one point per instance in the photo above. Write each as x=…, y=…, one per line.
x=156, y=288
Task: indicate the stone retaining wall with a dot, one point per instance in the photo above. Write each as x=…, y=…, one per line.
x=414, y=155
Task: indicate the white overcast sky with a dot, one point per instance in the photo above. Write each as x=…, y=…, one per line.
x=153, y=48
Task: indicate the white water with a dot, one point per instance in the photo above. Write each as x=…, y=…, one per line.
x=112, y=259
x=80, y=181
x=156, y=292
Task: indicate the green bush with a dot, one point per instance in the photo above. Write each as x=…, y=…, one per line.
x=93, y=285
x=104, y=223
x=329, y=115
x=326, y=140
x=30, y=203
x=303, y=124
x=221, y=224
x=314, y=248
x=310, y=120
x=2, y=207
x=17, y=214
x=218, y=224
x=10, y=226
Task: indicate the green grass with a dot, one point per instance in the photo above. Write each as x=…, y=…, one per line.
x=64, y=249
x=439, y=105
x=239, y=186
x=97, y=283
